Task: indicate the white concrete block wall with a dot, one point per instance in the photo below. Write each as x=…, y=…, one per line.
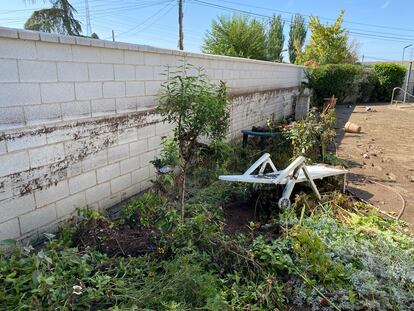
x=77, y=126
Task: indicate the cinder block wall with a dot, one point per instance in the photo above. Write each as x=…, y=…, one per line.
x=77, y=126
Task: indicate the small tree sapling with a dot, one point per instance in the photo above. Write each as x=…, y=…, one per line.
x=197, y=108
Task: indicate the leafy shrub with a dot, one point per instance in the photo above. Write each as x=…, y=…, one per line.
x=312, y=136
x=388, y=76
x=377, y=83
x=367, y=86
x=198, y=108
x=333, y=80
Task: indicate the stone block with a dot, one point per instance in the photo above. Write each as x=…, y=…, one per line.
x=120, y=183
x=68, y=205
x=138, y=147
x=37, y=218
x=128, y=135
x=86, y=54
x=28, y=35
x=118, y=153
x=144, y=73
x=72, y=72
x=101, y=107
x=140, y=175
x=126, y=104
x=97, y=193
x=74, y=110
x=128, y=165
x=88, y=90
x=57, y=92
x=108, y=172
x=124, y=72
x=53, y=51
x=95, y=160
x=20, y=49
x=101, y=72
x=52, y=194
x=8, y=70
x=82, y=182
x=10, y=229
x=152, y=87
x=40, y=113
x=113, y=89
x=46, y=155
x=13, y=163
x=135, y=88
x=12, y=116
x=19, y=94
x=134, y=58
x=26, y=142
x=34, y=71
x=112, y=56
x=8, y=32
x=16, y=206
x=49, y=37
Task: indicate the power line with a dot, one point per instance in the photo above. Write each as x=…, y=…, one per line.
x=320, y=17
x=356, y=34
x=147, y=19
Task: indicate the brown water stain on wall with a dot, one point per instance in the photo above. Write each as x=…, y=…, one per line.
x=82, y=139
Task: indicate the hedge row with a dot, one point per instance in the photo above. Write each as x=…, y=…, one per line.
x=343, y=80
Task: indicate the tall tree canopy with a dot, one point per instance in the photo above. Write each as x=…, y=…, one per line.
x=329, y=44
x=57, y=19
x=297, y=36
x=236, y=36
x=275, y=39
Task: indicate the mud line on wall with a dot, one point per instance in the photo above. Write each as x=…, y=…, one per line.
x=82, y=139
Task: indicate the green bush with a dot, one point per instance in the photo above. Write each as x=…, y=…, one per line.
x=376, y=84
x=339, y=80
x=387, y=76
x=367, y=86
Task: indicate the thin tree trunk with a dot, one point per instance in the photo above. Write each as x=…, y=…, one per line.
x=182, y=189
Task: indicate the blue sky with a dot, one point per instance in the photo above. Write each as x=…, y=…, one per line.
x=381, y=28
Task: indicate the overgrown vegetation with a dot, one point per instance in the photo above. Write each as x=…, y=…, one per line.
x=297, y=36
x=246, y=37
x=234, y=250
x=331, y=255
x=339, y=80
x=378, y=82
x=328, y=44
x=312, y=136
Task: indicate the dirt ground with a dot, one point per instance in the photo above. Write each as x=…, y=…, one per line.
x=381, y=158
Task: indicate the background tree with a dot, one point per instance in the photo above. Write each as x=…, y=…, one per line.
x=236, y=36
x=57, y=19
x=197, y=108
x=297, y=36
x=329, y=44
x=275, y=39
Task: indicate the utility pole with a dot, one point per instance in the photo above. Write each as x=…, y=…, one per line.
x=113, y=35
x=180, y=25
x=88, y=19
x=362, y=61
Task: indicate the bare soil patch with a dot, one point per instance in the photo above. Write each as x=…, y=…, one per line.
x=381, y=158
x=116, y=241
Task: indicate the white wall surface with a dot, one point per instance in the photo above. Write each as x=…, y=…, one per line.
x=77, y=126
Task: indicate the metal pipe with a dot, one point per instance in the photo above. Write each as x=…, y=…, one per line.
x=407, y=80
x=407, y=46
